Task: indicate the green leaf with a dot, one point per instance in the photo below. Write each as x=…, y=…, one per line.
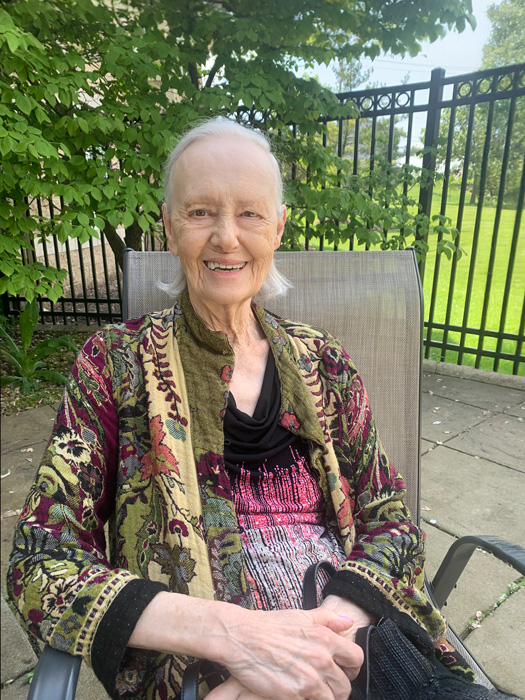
x=83, y=125
x=28, y=321
x=96, y=193
x=12, y=41
x=51, y=376
x=6, y=145
x=6, y=267
x=127, y=219
x=24, y=103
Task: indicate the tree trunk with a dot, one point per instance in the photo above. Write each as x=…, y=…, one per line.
x=133, y=237
x=115, y=241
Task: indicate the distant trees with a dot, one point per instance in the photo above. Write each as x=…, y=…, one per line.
x=504, y=47
x=349, y=74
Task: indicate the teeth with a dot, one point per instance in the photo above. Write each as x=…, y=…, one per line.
x=217, y=266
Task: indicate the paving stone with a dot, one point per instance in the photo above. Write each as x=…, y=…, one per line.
x=518, y=410
x=494, y=398
x=443, y=419
x=18, y=656
x=89, y=687
x=498, y=644
x=16, y=485
x=482, y=582
x=18, y=690
x=470, y=496
x=486, y=440
x=15, y=488
x=27, y=428
x=447, y=369
x=426, y=445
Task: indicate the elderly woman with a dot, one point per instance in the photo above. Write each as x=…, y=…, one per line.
x=229, y=450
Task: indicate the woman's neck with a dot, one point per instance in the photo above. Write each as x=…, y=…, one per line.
x=237, y=322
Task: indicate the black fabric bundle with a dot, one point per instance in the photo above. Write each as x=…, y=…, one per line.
x=399, y=671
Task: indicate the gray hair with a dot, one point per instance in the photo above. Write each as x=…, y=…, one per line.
x=275, y=283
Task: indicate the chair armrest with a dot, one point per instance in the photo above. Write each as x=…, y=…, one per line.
x=56, y=676
x=459, y=554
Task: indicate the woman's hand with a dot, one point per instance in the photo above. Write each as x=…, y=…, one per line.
x=286, y=655
x=348, y=609
x=282, y=655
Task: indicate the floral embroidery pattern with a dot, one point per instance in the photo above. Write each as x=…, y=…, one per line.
x=226, y=374
x=289, y=421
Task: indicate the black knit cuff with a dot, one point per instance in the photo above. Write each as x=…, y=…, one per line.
x=350, y=585
x=116, y=627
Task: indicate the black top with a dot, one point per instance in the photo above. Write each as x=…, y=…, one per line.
x=259, y=443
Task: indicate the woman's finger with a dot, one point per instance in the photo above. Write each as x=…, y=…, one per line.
x=353, y=666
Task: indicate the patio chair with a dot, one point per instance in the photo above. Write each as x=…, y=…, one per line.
x=371, y=301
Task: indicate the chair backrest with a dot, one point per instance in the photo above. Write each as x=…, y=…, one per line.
x=371, y=301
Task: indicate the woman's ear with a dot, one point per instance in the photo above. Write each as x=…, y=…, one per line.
x=172, y=245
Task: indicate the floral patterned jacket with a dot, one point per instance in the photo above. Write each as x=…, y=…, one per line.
x=138, y=445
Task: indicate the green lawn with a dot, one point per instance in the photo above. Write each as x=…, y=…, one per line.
x=479, y=270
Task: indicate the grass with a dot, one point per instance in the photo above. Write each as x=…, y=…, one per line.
x=476, y=267
x=48, y=394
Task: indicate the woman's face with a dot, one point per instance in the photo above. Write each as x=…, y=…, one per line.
x=224, y=225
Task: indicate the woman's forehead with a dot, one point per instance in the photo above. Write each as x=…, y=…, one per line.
x=215, y=162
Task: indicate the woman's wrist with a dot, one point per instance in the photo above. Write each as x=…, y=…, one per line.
x=348, y=609
x=179, y=624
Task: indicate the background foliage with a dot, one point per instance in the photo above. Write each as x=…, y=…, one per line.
x=93, y=95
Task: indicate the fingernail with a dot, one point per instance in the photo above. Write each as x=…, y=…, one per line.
x=344, y=617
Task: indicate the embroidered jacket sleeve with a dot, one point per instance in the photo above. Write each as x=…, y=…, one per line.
x=60, y=579
x=383, y=572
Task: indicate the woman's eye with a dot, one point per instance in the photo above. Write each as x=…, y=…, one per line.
x=199, y=212
x=249, y=214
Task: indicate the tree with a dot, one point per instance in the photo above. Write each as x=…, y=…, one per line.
x=94, y=94
x=504, y=47
x=349, y=74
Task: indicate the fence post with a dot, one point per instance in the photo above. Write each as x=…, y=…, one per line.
x=431, y=138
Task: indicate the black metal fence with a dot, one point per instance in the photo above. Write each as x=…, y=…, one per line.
x=471, y=129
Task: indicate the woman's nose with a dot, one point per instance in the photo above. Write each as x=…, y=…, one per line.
x=225, y=233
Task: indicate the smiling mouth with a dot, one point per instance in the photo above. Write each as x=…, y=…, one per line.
x=227, y=268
